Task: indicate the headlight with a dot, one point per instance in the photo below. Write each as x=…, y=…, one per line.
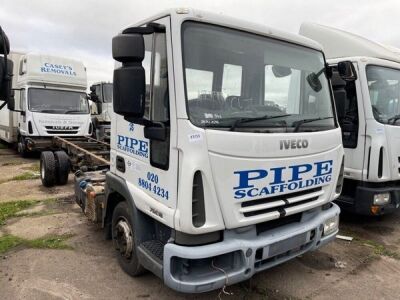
x=381, y=199
x=331, y=225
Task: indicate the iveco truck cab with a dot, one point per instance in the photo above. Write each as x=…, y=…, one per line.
x=226, y=153
x=49, y=99
x=369, y=114
x=100, y=108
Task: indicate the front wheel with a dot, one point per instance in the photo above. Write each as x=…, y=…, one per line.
x=21, y=147
x=123, y=236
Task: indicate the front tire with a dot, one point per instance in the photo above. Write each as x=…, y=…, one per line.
x=123, y=236
x=21, y=147
x=47, y=168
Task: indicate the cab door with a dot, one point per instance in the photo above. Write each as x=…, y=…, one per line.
x=150, y=166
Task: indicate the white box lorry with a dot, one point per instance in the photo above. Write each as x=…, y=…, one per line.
x=101, y=107
x=226, y=153
x=369, y=114
x=49, y=100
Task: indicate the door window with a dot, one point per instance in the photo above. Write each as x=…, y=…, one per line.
x=157, y=96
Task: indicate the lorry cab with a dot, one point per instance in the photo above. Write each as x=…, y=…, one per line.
x=49, y=100
x=100, y=108
x=225, y=149
x=369, y=115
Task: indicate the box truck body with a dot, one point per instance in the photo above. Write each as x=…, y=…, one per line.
x=50, y=98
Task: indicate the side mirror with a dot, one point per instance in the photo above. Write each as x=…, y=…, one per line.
x=93, y=89
x=347, y=71
x=11, y=102
x=4, y=43
x=99, y=108
x=14, y=103
x=280, y=71
x=5, y=79
x=314, y=82
x=156, y=131
x=129, y=80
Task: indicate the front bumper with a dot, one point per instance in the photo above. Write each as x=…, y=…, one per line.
x=243, y=253
x=363, y=201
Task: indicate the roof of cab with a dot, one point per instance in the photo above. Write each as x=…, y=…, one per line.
x=339, y=44
x=235, y=23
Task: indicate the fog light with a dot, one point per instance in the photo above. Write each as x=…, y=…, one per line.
x=331, y=225
x=381, y=199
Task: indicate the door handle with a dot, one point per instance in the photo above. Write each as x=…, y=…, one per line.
x=121, y=164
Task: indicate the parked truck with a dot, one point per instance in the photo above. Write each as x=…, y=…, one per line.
x=6, y=66
x=49, y=99
x=101, y=107
x=369, y=114
x=226, y=152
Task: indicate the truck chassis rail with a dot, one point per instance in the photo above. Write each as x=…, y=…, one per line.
x=85, y=152
x=72, y=154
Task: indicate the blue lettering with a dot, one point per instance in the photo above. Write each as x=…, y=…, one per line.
x=244, y=177
x=239, y=194
x=299, y=169
x=251, y=194
x=323, y=168
x=278, y=175
x=143, y=146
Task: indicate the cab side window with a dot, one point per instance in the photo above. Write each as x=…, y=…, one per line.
x=157, y=96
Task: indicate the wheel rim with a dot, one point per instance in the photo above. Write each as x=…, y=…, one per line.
x=42, y=171
x=123, y=238
x=20, y=147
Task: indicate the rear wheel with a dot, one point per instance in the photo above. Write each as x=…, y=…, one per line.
x=47, y=168
x=62, y=167
x=123, y=236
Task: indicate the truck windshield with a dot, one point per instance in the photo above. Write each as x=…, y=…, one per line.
x=247, y=82
x=384, y=92
x=57, y=101
x=107, y=92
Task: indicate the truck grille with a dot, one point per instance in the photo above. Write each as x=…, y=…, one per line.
x=62, y=129
x=283, y=204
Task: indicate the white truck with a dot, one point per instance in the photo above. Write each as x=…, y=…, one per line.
x=369, y=113
x=226, y=153
x=49, y=100
x=101, y=107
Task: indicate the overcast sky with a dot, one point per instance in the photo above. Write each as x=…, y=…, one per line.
x=83, y=29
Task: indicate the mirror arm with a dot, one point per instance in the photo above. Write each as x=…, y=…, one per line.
x=328, y=70
x=3, y=104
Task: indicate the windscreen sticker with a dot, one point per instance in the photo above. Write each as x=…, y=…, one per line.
x=272, y=180
x=195, y=137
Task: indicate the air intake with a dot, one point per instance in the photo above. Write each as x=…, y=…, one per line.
x=30, y=128
x=380, y=165
x=339, y=184
x=198, y=208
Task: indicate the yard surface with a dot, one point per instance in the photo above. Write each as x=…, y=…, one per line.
x=49, y=250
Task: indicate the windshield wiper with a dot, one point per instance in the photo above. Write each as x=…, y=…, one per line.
x=394, y=119
x=301, y=122
x=49, y=110
x=246, y=120
x=73, y=111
